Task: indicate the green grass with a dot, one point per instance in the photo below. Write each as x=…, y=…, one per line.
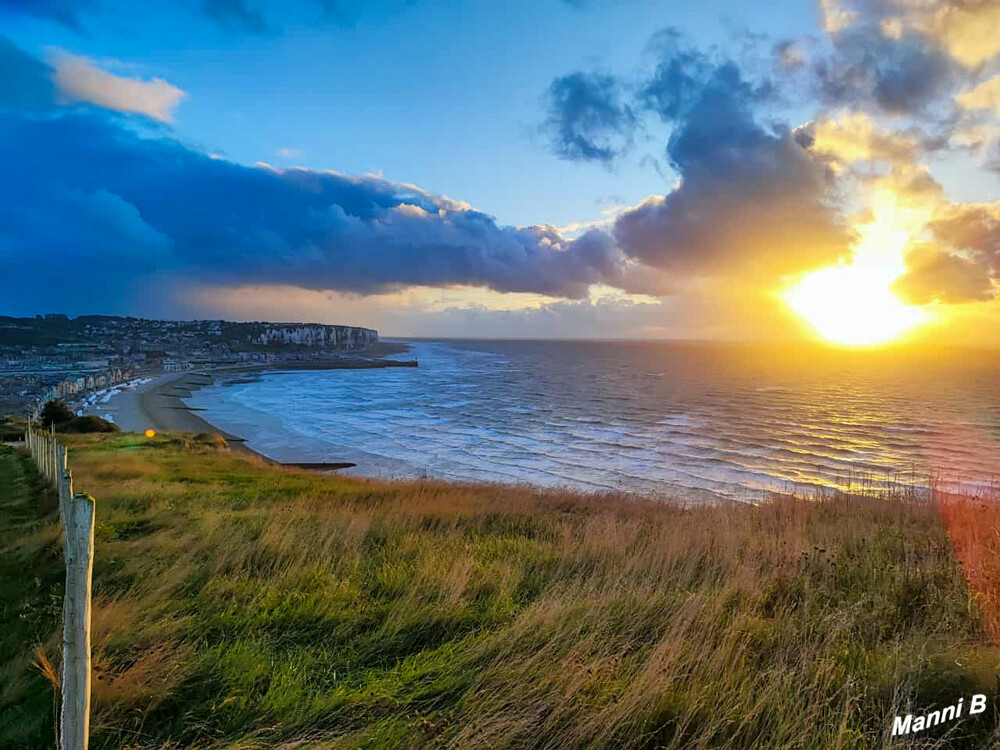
x=31, y=587
x=238, y=605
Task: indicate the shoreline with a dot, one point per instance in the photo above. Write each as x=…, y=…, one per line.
x=159, y=406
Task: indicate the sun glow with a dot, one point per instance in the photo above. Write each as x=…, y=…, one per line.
x=854, y=304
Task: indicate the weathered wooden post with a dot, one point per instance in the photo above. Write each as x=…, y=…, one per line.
x=52, y=454
x=78, y=524
x=77, y=514
x=63, y=479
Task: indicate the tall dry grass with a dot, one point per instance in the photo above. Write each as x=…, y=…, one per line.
x=242, y=605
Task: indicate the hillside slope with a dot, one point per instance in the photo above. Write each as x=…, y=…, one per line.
x=240, y=605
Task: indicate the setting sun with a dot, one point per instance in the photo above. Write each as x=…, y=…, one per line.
x=854, y=304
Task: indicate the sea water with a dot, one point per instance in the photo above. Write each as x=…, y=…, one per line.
x=681, y=420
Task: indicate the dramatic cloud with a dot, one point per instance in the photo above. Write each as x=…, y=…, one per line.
x=156, y=205
x=80, y=79
x=587, y=119
x=96, y=207
x=751, y=199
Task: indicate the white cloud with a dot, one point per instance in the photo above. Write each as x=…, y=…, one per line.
x=289, y=153
x=81, y=79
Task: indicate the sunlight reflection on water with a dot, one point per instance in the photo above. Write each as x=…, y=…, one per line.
x=663, y=419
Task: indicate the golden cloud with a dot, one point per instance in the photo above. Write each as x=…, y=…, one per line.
x=851, y=137
x=984, y=96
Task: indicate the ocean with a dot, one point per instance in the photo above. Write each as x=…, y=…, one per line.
x=690, y=421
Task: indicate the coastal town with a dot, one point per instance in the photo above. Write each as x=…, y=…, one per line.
x=81, y=360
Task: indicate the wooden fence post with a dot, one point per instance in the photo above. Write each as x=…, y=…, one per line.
x=79, y=532
x=77, y=514
x=64, y=481
x=52, y=454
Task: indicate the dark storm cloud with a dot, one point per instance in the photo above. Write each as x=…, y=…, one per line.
x=84, y=198
x=587, y=119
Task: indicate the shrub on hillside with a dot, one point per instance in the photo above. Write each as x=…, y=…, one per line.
x=88, y=423
x=55, y=412
x=206, y=441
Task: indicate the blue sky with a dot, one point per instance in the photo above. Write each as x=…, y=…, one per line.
x=555, y=168
x=433, y=93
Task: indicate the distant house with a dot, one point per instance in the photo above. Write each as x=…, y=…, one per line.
x=171, y=364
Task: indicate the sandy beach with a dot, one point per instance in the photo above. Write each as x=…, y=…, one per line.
x=158, y=404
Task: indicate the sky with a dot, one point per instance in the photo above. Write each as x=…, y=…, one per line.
x=555, y=168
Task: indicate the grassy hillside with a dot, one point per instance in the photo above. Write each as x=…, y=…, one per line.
x=31, y=588
x=240, y=606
